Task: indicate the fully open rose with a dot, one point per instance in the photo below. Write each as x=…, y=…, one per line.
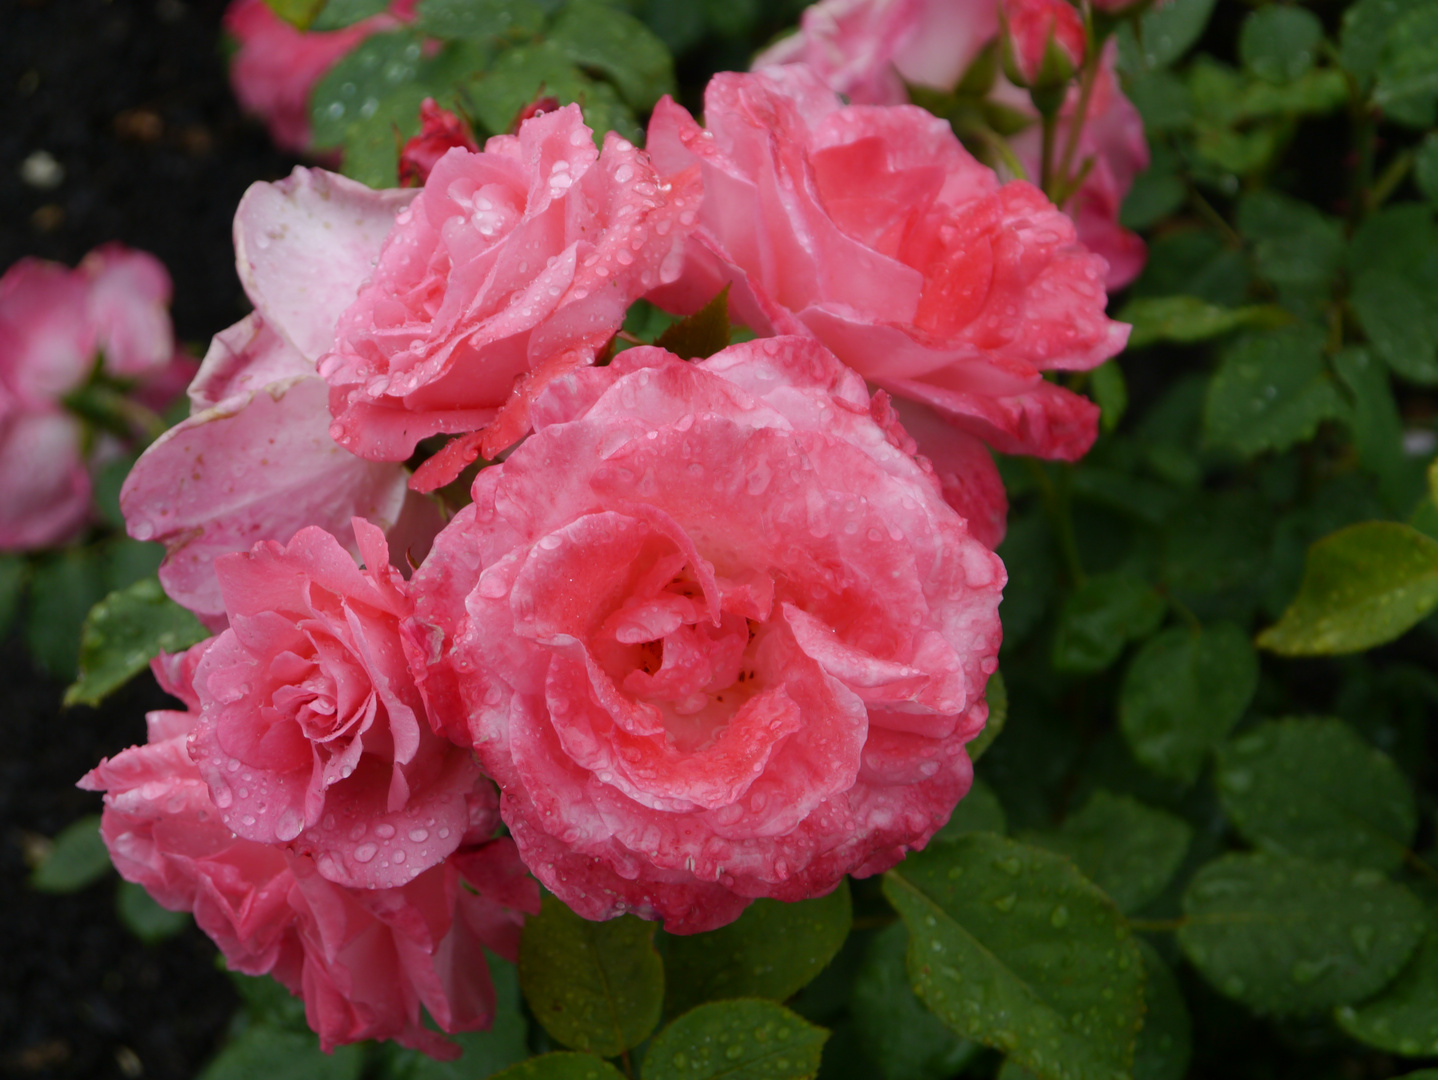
x=715, y=631
x=873, y=230
x=513, y=266
x=312, y=734
x=364, y=960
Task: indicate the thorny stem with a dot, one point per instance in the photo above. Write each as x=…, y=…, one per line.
x=1056, y=504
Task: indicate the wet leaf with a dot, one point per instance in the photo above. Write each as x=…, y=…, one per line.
x=276, y=1054
x=1187, y=319
x=63, y=586
x=1129, y=850
x=1403, y=1018
x=618, y=47
x=485, y=22
x=77, y=858
x=1279, y=43
x=1165, y=1044
x=1101, y=616
x=144, y=918
x=1271, y=391
x=595, y=986
x=978, y=811
x=1314, y=788
x=1010, y=946
x=746, y=1039
x=123, y=633
x=1362, y=586
x=1291, y=936
x=771, y=951
x=1183, y=693
x=905, y=1040
x=561, y=1066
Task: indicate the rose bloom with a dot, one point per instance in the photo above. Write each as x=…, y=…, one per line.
x=874, y=230
x=55, y=323
x=1040, y=35
x=311, y=731
x=715, y=632
x=255, y=460
x=275, y=67
x=869, y=49
x=512, y=266
x=364, y=960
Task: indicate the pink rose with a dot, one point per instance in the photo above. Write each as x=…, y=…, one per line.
x=255, y=460
x=868, y=49
x=275, y=67
x=54, y=325
x=512, y=266
x=716, y=633
x=311, y=732
x=1113, y=137
x=363, y=960
x=873, y=230
x=1044, y=41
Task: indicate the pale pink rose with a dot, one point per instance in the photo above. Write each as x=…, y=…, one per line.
x=873, y=230
x=364, y=960
x=312, y=734
x=1044, y=40
x=868, y=49
x=255, y=460
x=275, y=67
x=55, y=324
x=716, y=633
x=512, y=266
x=1113, y=137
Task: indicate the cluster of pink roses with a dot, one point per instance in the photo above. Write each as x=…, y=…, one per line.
x=59, y=328
x=717, y=629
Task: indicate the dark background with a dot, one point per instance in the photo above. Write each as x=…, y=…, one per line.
x=130, y=97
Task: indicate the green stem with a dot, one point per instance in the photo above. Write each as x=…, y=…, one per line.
x=1213, y=217
x=1046, y=162
x=1389, y=180
x=1088, y=81
x=1363, y=138
x=1055, y=498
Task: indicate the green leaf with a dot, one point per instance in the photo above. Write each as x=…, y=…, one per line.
x=1218, y=543
x=560, y=1066
x=1010, y=946
x=1403, y=1018
x=746, y=1039
x=1129, y=850
x=123, y=633
x=1111, y=393
x=1028, y=555
x=522, y=73
x=1407, y=77
x=1294, y=246
x=1378, y=428
x=1425, y=166
x=144, y=918
x=1163, y=34
x=618, y=47
x=1188, y=319
x=13, y=571
x=905, y=1040
x=978, y=811
x=485, y=22
x=1401, y=323
x=1165, y=1043
x=996, y=696
x=276, y=1054
x=298, y=13
x=369, y=89
x=77, y=858
x=1314, y=788
x=1183, y=693
x=772, y=951
x=64, y=586
x=269, y=1003
x=123, y=562
x=1291, y=936
x=1100, y=617
x=1271, y=391
x=595, y=986
x=483, y=1053
x=338, y=14
x=1162, y=98
x=1366, y=26
x=702, y=334
x=1362, y=586
x=1279, y=43
x=1194, y=263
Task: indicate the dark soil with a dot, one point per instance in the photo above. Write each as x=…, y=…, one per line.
x=130, y=98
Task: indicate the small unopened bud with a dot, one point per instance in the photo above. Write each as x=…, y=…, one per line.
x=1043, y=42
x=440, y=131
x=538, y=107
